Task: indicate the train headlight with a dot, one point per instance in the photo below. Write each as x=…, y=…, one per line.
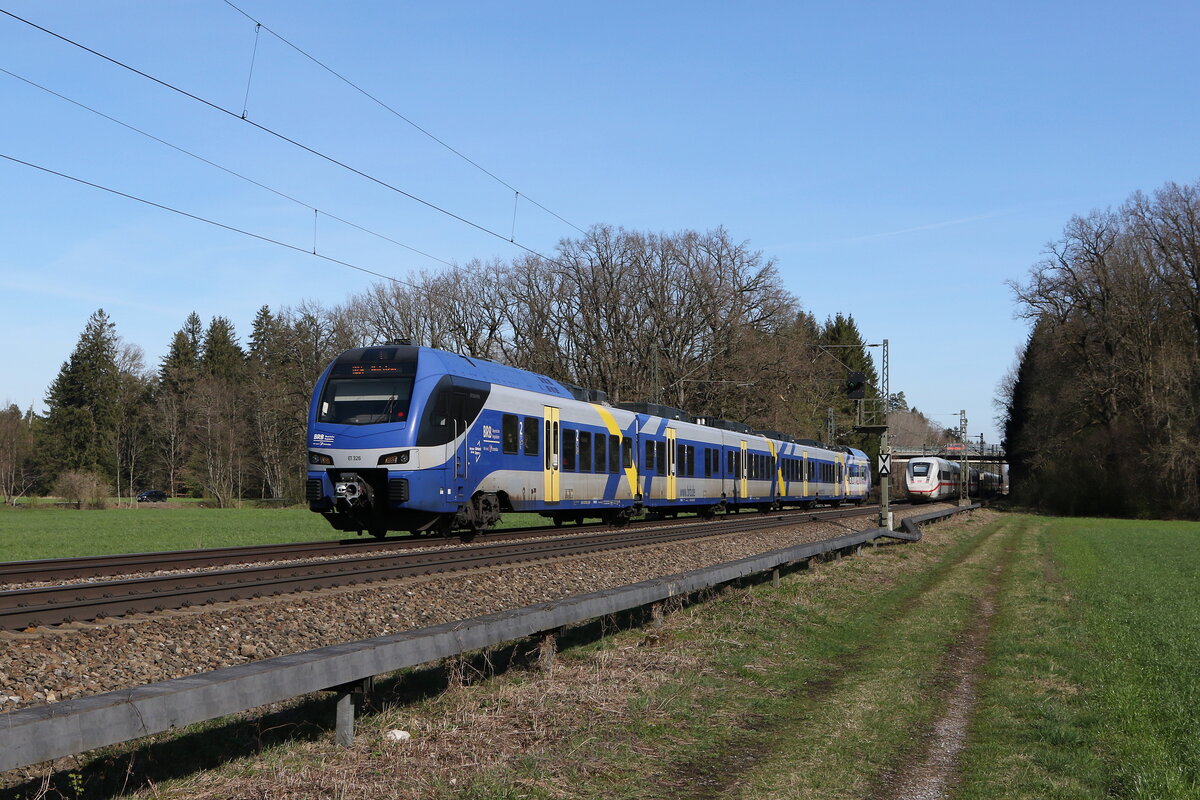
x=391, y=459
x=321, y=459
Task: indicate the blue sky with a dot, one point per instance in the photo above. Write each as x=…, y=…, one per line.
x=899, y=161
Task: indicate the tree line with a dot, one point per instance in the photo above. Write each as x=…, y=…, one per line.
x=1103, y=406
x=692, y=320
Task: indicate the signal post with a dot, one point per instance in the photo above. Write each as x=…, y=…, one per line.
x=872, y=417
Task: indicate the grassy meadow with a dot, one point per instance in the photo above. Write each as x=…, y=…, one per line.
x=1093, y=688
x=46, y=531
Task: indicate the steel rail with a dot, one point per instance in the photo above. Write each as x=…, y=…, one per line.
x=51, y=605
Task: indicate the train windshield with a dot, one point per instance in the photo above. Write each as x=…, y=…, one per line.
x=366, y=401
x=920, y=469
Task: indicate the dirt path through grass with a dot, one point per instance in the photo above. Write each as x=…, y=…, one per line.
x=876, y=732
x=931, y=775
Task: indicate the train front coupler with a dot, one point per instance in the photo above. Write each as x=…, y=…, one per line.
x=352, y=495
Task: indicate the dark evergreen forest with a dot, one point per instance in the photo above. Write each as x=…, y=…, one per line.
x=1103, y=407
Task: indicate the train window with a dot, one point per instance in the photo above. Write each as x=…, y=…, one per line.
x=661, y=450
x=627, y=452
x=365, y=401
x=531, y=436
x=568, y=450
x=729, y=464
x=737, y=464
x=509, y=441
x=680, y=458
x=648, y=465
x=548, y=440
x=601, y=452
x=708, y=452
x=691, y=461
x=451, y=408
x=614, y=453
x=919, y=468
x=585, y=451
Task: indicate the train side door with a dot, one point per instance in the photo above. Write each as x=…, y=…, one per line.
x=672, y=487
x=453, y=404
x=551, y=486
x=744, y=483
x=804, y=472
x=839, y=486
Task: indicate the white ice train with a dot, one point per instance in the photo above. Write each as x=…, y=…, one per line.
x=931, y=479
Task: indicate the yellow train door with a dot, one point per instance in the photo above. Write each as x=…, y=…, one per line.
x=551, y=485
x=743, y=468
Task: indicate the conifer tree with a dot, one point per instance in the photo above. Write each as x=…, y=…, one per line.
x=82, y=402
x=220, y=355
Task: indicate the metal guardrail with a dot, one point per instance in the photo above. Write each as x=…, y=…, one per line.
x=41, y=733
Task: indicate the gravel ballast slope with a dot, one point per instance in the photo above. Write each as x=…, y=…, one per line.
x=84, y=659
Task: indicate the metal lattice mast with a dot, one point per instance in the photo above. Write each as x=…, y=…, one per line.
x=964, y=475
x=885, y=452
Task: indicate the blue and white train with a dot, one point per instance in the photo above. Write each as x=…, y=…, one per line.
x=417, y=439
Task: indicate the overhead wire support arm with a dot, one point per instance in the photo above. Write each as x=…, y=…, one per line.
x=250, y=76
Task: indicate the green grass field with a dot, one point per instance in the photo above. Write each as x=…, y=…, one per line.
x=1094, y=681
x=49, y=532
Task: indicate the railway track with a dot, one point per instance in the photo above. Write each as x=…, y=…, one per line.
x=60, y=569
x=52, y=605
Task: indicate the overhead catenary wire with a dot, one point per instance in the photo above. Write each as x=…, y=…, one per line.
x=258, y=24
x=260, y=237
x=223, y=168
x=277, y=134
